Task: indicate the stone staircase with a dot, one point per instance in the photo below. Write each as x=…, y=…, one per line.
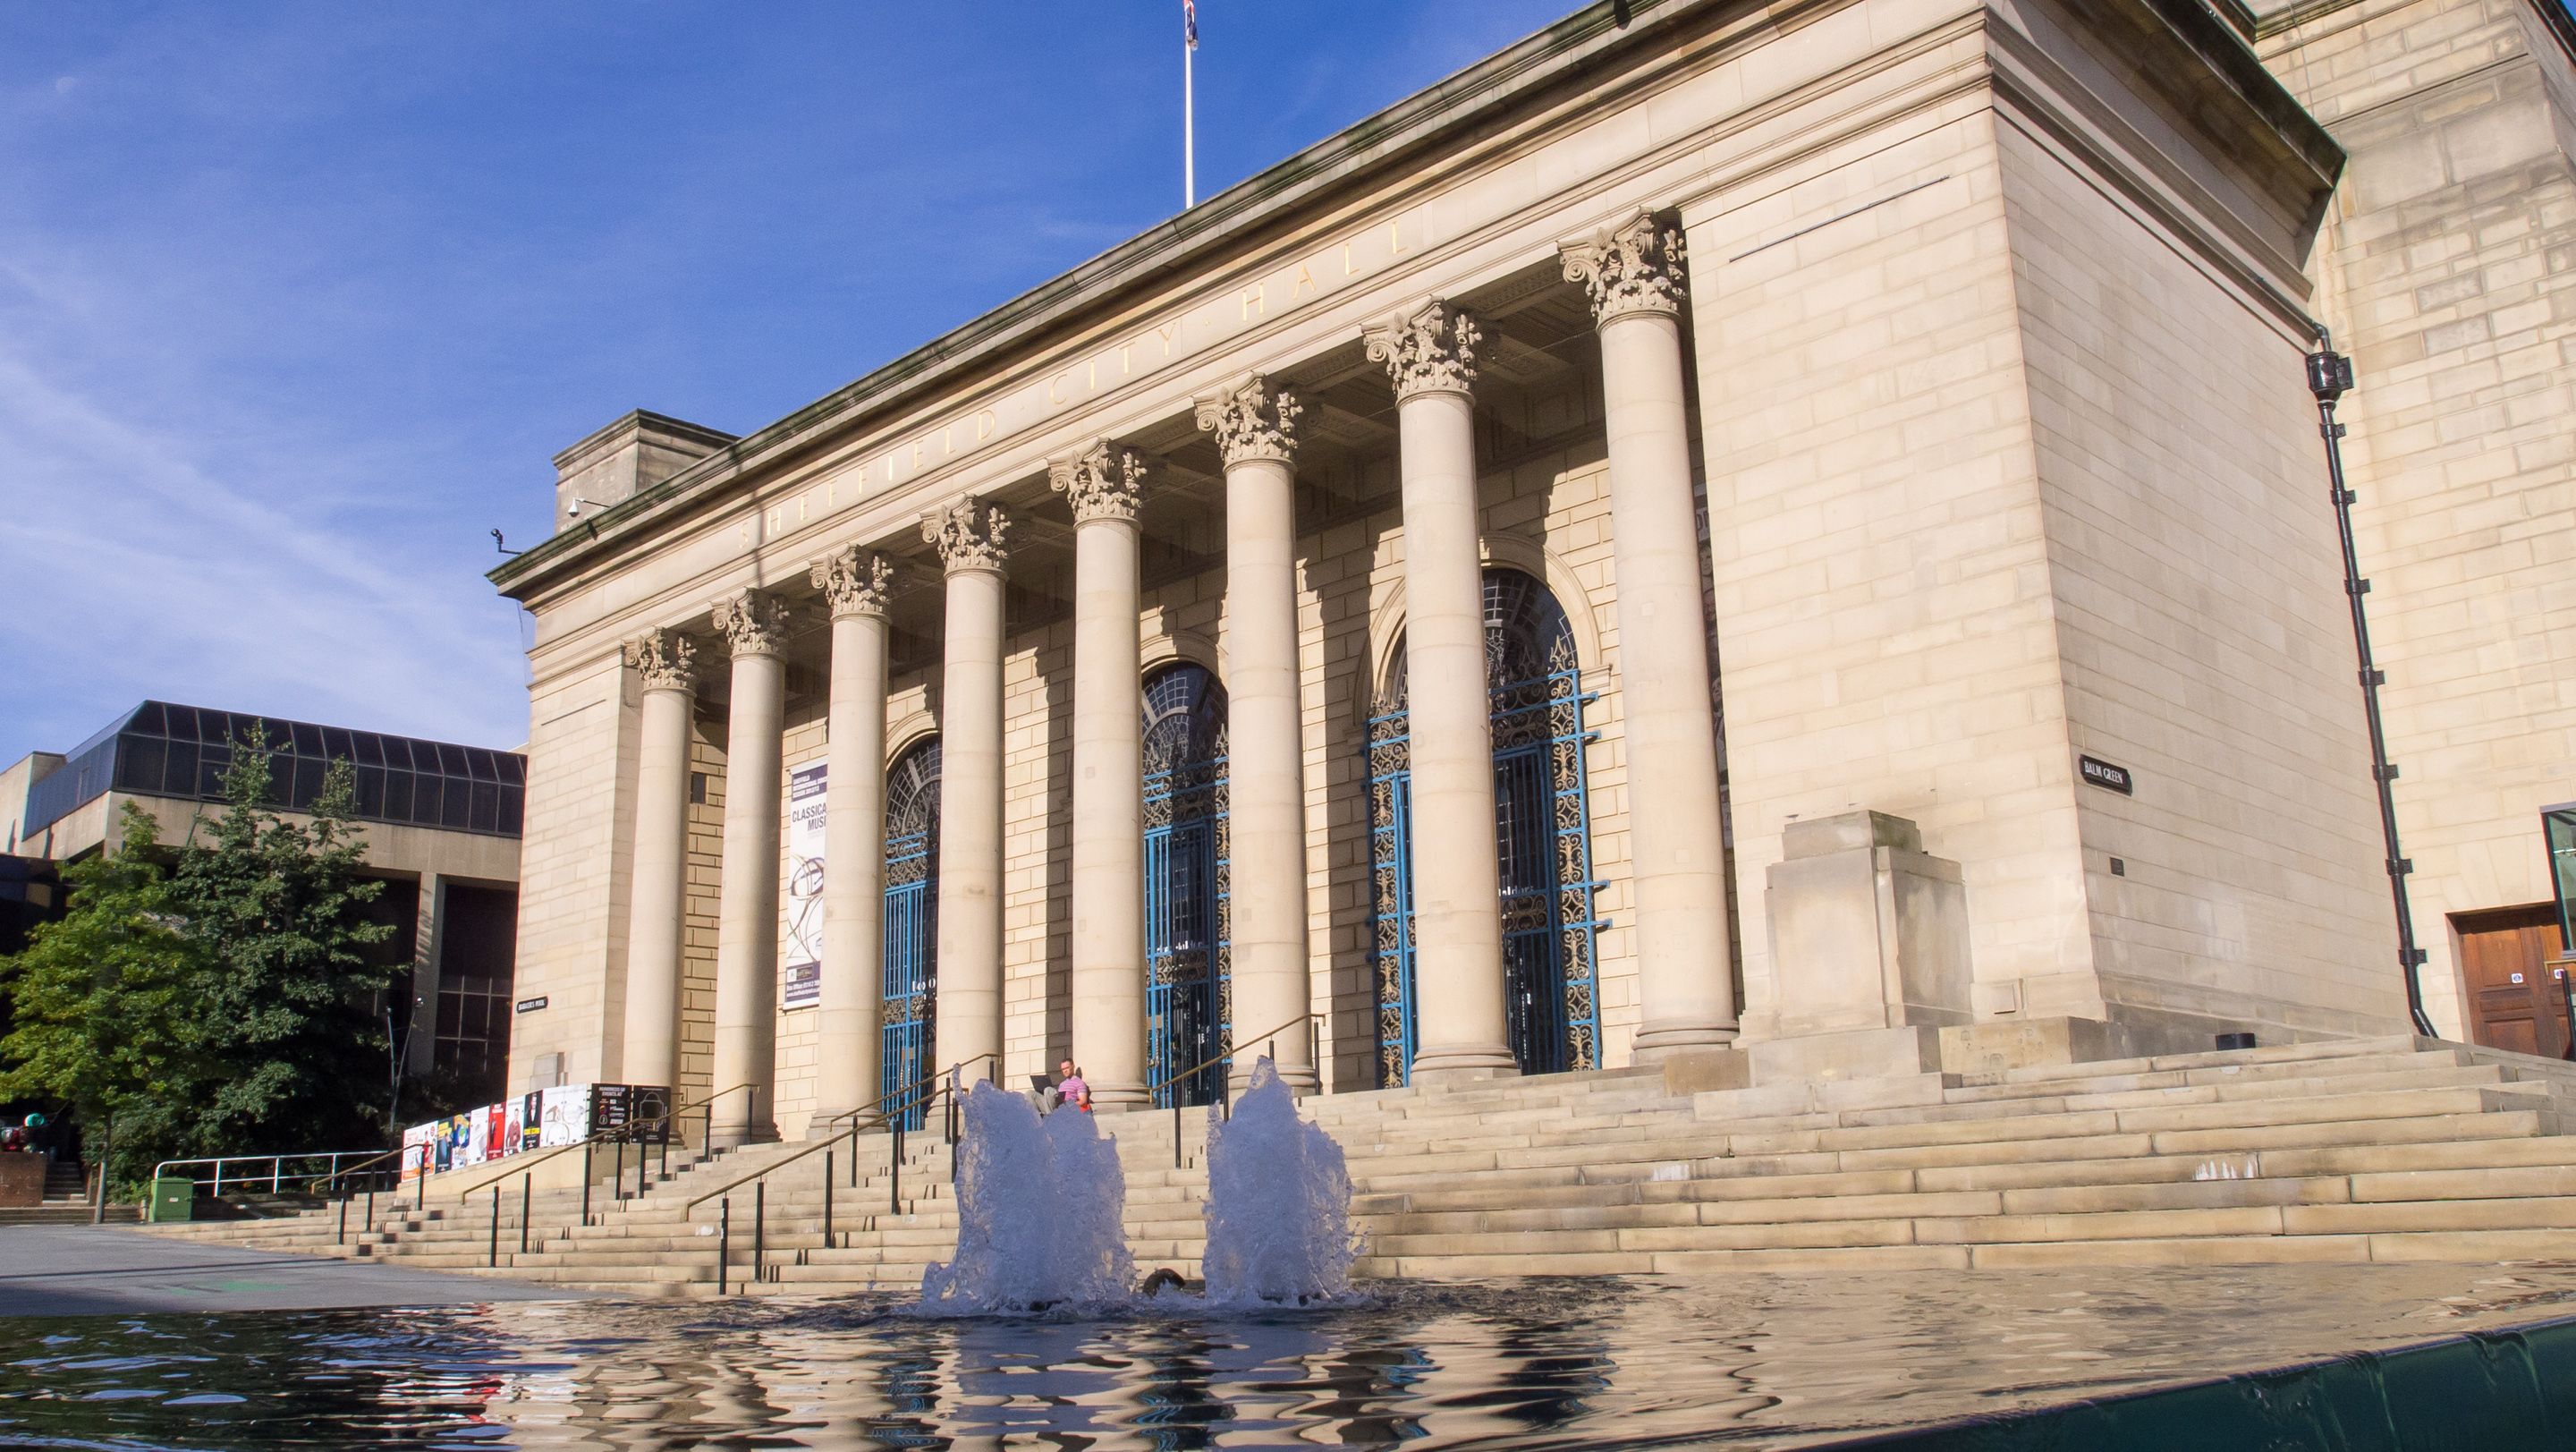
x=2393, y=1149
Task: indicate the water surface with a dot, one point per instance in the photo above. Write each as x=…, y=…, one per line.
x=1739, y=1361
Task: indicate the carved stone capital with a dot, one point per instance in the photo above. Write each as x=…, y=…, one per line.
x=665, y=659
x=1431, y=351
x=1634, y=267
x=1252, y=420
x=854, y=581
x=753, y=622
x=968, y=535
x=1103, y=482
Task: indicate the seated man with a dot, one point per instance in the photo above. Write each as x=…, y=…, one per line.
x=1070, y=1089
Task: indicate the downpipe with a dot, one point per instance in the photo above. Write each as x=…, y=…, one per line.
x=2329, y=379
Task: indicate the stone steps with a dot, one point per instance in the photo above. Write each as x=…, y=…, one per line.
x=2383, y=1149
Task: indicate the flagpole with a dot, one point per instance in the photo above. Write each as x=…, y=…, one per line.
x=1189, y=129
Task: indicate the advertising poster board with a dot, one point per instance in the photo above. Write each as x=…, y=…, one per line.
x=531, y=1111
x=565, y=1114
x=612, y=1106
x=802, y=952
x=469, y=1129
x=501, y=1135
x=417, y=1154
x=649, y=1105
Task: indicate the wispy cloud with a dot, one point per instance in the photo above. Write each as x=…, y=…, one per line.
x=295, y=303
x=162, y=578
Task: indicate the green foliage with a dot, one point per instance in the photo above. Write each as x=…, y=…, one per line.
x=226, y=1007
x=281, y=907
x=106, y=1007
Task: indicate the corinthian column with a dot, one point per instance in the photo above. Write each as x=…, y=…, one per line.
x=754, y=624
x=854, y=582
x=1104, y=486
x=1634, y=273
x=666, y=663
x=969, y=536
x=1256, y=431
x=1458, y=926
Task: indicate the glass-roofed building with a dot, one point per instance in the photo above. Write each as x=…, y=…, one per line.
x=441, y=828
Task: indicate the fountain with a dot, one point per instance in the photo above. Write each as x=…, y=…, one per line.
x=1040, y=1206
x=1279, y=1203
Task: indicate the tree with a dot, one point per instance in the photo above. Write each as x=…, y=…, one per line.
x=281, y=910
x=107, y=1009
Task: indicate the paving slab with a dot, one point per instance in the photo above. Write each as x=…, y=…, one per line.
x=83, y=1270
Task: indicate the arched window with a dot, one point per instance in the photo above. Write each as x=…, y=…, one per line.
x=1187, y=998
x=1542, y=839
x=911, y=920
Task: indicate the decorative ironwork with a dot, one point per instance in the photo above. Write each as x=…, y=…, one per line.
x=1542, y=841
x=911, y=925
x=1188, y=916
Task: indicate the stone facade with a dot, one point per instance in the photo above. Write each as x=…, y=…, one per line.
x=1971, y=338
x=2444, y=269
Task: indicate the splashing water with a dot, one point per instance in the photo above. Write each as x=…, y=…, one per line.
x=1040, y=1207
x=1279, y=1203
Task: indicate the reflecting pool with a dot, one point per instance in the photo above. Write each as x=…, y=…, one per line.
x=1742, y=1361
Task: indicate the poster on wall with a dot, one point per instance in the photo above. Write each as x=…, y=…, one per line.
x=802, y=981
x=416, y=1152
x=532, y=1122
x=462, y=1150
x=565, y=1111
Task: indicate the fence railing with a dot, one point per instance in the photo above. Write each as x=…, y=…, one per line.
x=248, y=1173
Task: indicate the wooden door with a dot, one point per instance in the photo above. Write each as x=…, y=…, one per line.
x=2514, y=996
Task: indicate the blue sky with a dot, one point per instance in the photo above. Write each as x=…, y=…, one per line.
x=297, y=300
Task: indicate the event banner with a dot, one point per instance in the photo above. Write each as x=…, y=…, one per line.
x=803, y=951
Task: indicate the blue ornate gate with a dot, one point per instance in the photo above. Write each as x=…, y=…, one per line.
x=911, y=925
x=1188, y=999
x=1542, y=841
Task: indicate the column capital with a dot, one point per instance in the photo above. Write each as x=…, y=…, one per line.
x=854, y=580
x=1252, y=420
x=1635, y=266
x=1430, y=350
x=1105, y=481
x=968, y=535
x=753, y=622
x=666, y=659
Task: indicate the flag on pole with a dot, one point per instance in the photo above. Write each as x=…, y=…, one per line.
x=1190, y=23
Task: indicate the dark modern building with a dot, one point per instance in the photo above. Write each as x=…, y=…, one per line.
x=441, y=826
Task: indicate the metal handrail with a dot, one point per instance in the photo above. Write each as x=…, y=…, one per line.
x=276, y=1176
x=339, y=1175
x=668, y=1120
x=938, y=1082
x=1231, y=1048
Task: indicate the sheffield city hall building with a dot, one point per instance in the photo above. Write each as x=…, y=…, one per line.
x=1788, y=538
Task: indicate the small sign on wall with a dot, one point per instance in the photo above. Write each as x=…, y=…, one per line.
x=2103, y=774
x=531, y=1005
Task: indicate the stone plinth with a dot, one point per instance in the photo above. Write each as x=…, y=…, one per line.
x=1870, y=935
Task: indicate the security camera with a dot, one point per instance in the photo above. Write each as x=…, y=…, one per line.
x=573, y=510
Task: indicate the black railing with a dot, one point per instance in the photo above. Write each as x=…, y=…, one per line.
x=1224, y=1089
